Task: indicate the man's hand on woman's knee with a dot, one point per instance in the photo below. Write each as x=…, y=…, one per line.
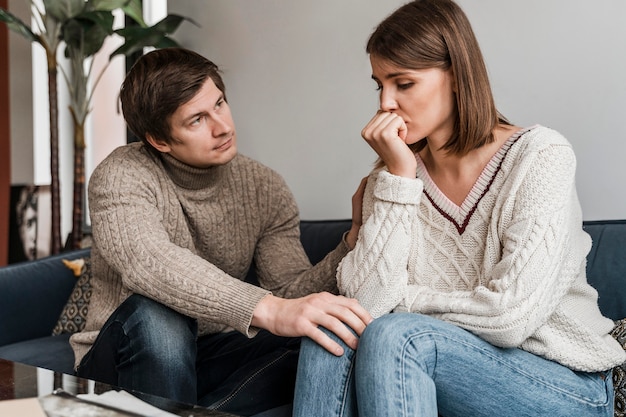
x=303, y=317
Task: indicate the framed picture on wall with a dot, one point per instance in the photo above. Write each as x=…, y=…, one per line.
x=29, y=222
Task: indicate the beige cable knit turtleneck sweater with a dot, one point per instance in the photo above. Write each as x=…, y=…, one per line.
x=507, y=265
x=186, y=237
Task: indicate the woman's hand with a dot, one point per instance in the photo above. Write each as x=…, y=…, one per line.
x=386, y=134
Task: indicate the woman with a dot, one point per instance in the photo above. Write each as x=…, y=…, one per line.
x=472, y=236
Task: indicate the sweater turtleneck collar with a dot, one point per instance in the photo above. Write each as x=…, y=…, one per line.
x=192, y=178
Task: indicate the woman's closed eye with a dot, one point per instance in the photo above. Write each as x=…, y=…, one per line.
x=400, y=86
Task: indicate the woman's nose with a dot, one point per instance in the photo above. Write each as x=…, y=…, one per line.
x=387, y=101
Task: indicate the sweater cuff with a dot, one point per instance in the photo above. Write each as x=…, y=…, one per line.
x=242, y=308
x=344, y=243
x=396, y=189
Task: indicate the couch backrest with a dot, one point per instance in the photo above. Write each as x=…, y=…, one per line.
x=47, y=284
x=321, y=236
x=606, y=265
x=32, y=296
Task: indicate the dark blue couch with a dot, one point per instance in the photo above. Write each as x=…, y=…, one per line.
x=32, y=294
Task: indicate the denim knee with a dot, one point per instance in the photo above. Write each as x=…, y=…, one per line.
x=325, y=382
x=156, y=331
x=387, y=328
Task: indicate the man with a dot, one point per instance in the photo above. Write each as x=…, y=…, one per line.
x=177, y=220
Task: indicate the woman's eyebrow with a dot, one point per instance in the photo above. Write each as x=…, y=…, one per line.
x=390, y=75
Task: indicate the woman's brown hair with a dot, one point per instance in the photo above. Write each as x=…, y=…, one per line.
x=437, y=34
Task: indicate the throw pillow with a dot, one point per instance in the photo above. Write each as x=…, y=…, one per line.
x=619, y=372
x=74, y=313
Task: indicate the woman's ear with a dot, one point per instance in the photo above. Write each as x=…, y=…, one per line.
x=159, y=145
x=455, y=89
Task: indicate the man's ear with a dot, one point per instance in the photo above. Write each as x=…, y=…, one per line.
x=158, y=144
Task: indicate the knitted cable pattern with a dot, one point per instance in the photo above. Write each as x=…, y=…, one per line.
x=186, y=237
x=507, y=265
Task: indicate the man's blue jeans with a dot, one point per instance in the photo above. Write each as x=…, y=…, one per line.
x=149, y=348
x=414, y=365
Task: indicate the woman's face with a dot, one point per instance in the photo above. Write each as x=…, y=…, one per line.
x=424, y=99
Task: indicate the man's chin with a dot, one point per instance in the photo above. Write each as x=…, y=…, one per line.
x=226, y=156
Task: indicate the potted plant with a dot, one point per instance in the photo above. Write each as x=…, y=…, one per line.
x=82, y=26
x=48, y=37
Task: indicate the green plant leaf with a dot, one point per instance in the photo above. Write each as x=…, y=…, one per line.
x=136, y=38
x=141, y=39
x=166, y=43
x=166, y=26
x=133, y=32
x=16, y=25
x=134, y=10
x=62, y=10
x=109, y=5
x=85, y=34
x=102, y=18
x=170, y=23
x=131, y=8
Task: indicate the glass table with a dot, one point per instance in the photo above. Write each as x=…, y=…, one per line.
x=61, y=395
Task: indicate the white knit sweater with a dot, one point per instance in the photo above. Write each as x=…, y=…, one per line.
x=507, y=265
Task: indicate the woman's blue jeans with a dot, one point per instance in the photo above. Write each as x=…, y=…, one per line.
x=146, y=347
x=414, y=365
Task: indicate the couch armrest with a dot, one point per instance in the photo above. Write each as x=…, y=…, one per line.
x=32, y=296
x=606, y=265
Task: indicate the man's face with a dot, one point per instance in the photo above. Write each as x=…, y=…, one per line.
x=203, y=130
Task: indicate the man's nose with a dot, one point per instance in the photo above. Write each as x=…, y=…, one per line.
x=221, y=126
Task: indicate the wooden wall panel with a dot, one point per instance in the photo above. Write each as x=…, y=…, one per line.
x=5, y=140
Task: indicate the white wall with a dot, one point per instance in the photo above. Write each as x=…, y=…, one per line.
x=298, y=81
x=561, y=63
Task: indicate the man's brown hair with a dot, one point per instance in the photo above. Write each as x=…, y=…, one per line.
x=158, y=84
